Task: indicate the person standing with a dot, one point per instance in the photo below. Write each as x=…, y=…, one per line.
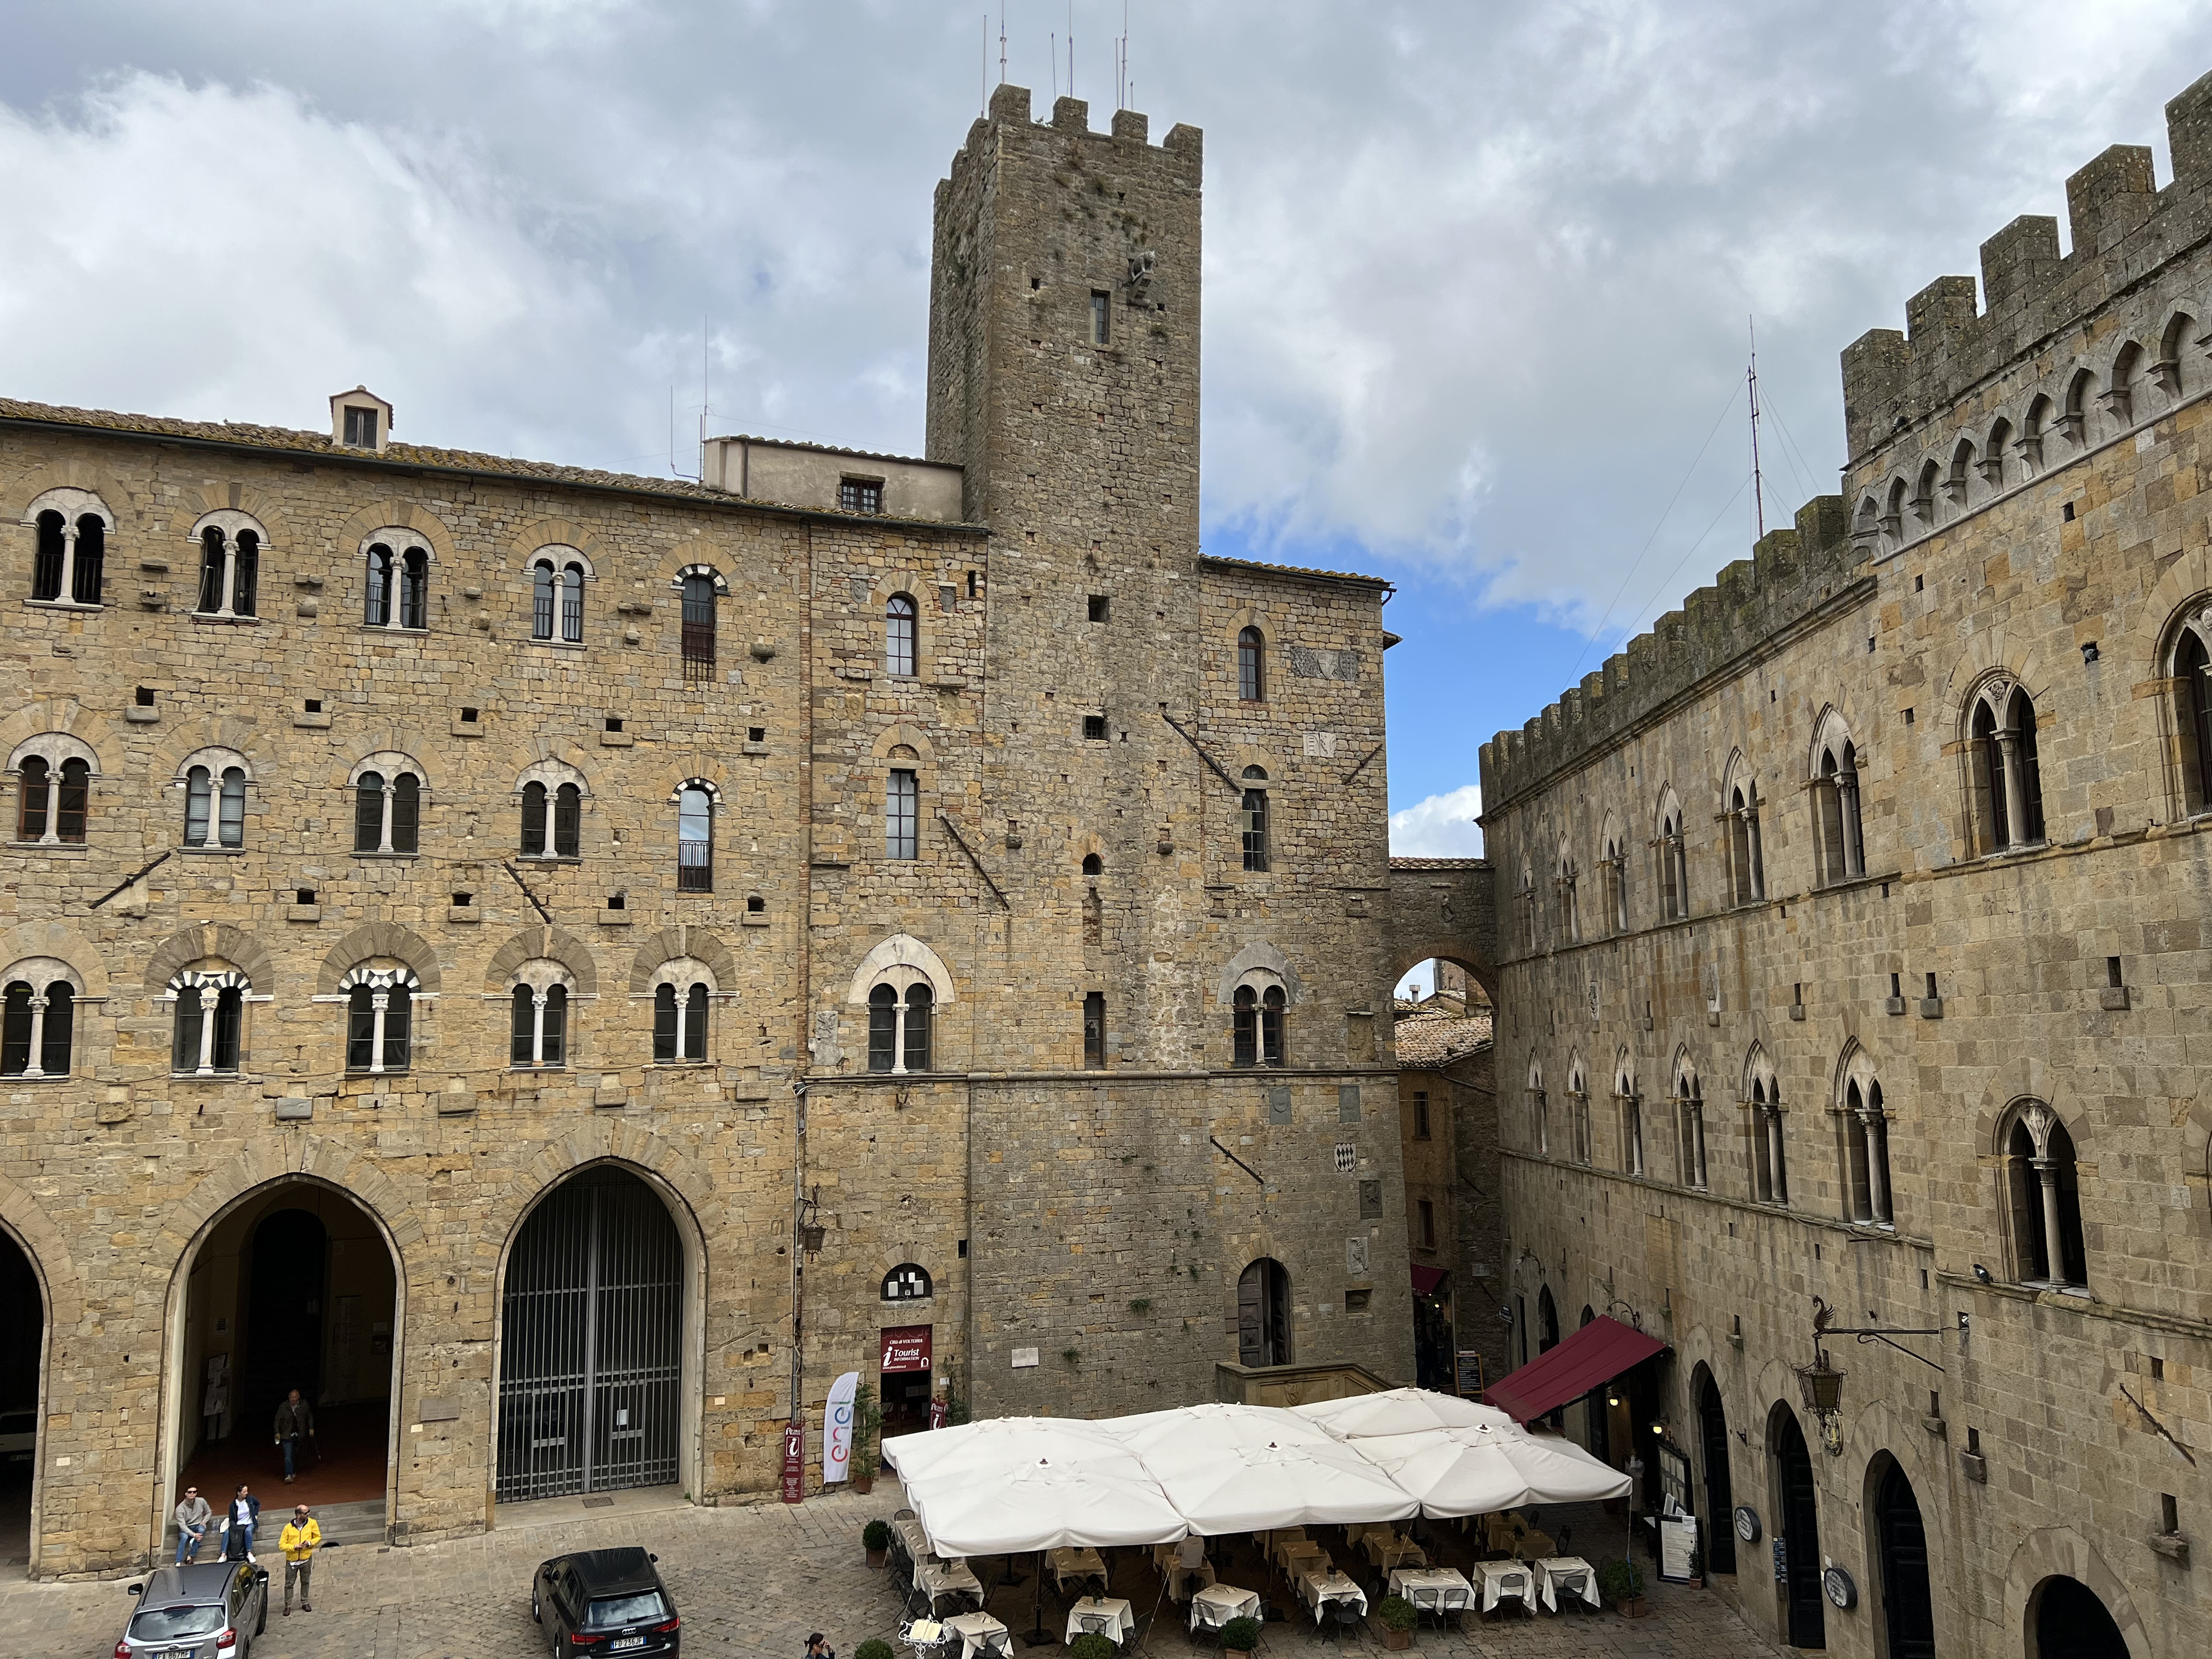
x=192, y=1517
x=300, y=1541
x=819, y=1647
x=295, y=1420
x=238, y=1535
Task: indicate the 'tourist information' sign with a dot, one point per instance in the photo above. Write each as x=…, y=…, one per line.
x=906, y=1348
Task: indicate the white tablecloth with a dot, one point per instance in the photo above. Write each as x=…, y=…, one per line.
x=1120, y=1620
x=1433, y=1589
x=980, y=1634
x=945, y=1578
x=1507, y=1581
x=914, y=1537
x=1217, y=1604
x=1318, y=1589
x=1569, y=1575
x=1387, y=1550
x=1076, y=1564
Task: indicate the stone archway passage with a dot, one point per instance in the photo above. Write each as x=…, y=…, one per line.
x=23, y=1332
x=2067, y=1622
x=1907, y=1607
x=591, y=1342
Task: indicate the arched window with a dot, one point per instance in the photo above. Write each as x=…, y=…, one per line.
x=379, y=1017
x=2044, y=1198
x=543, y=587
x=51, y=557
x=1256, y=1011
x=216, y=804
x=1252, y=818
x=1527, y=908
x=1689, y=1124
x=1563, y=890
x=34, y=788
x=1631, y=1106
x=695, y=839
x=387, y=812
x=230, y=566
x=377, y=610
x=1251, y=666
x=88, y=560
x=398, y=589
x=698, y=625
x=556, y=600
x=1613, y=857
x=209, y=1016
x=1866, y=1149
x=1839, y=835
x=902, y=814
x=2190, y=683
x=566, y=803
x=1578, y=1111
x=53, y=788
x=1746, y=856
x=414, y=588
x=38, y=1025
x=898, y=637
x=1540, y=1127
x=2007, y=808
x=680, y=1022
x=907, y=1282
x=1769, y=1169
x=1093, y=865
x=538, y=1031
x=1674, y=862
x=1263, y=1313
x=899, y=1009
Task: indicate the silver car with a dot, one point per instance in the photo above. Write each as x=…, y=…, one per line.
x=19, y=1436
x=210, y=1610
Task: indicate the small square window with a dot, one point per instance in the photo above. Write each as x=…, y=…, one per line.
x=1094, y=727
x=755, y=905
x=314, y=705
x=360, y=428
x=468, y=717
x=1098, y=607
x=303, y=896
x=1100, y=313
x=614, y=722
x=861, y=494
x=757, y=735
x=617, y=902
x=145, y=696
x=462, y=901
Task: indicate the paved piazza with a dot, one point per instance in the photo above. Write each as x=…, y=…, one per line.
x=756, y=1581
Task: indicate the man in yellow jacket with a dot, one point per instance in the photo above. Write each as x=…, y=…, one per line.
x=300, y=1541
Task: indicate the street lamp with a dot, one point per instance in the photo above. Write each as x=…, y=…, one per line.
x=1822, y=1382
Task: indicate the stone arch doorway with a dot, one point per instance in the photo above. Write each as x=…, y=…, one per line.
x=1720, y=1490
x=595, y=1390
x=1797, y=1515
x=2065, y=1620
x=1901, y=1558
x=1263, y=1313
x=295, y=1285
x=22, y=1353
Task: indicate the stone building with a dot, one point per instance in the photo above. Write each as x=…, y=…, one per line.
x=1851, y=947
x=1448, y=1147
x=555, y=963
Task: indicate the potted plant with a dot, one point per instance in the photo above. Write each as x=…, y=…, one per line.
x=1698, y=1565
x=1240, y=1635
x=867, y=1438
x=1092, y=1645
x=874, y=1648
x=1398, y=1616
x=876, y=1538
x=1621, y=1582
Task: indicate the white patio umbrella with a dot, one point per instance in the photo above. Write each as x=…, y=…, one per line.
x=1015, y=1484
x=1230, y=1468
x=1398, y=1411
x=1481, y=1470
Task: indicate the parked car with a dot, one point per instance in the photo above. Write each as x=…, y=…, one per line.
x=210, y=1610
x=19, y=1436
x=604, y=1603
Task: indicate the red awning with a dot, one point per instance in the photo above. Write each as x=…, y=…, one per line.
x=1426, y=1279
x=1589, y=1359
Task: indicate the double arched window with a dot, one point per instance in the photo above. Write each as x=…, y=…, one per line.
x=1746, y=854
x=1674, y=860
x=1252, y=817
x=1527, y=897
x=38, y=1018
x=694, y=836
x=538, y=1027
x=556, y=596
x=388, y=806
x=379, y=1015
x=53, y=789
x=552, y=819
x=1770, y=1171
x=899, y=617
x=1540, y=1127
x=230, y=565
x=214, y=806
x=1563, y=890
x=1578, y=1110
x=71, y=557
x=1257, y=1007
x=1251, y=666
x=397, y=592
x=1689, y=1123
x=1839, y=834
x=1866, y=1194
x=1631, y=1106
x=1612, y=859
x=2007, y=804
x=209, y=1019
x=900, y=1007
x=683, y=994
x=2043, y=1197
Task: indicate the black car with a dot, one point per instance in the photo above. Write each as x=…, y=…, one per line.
x=604, y=1603
x=210, y=1610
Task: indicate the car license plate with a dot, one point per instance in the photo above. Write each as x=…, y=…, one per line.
x=621, y=1642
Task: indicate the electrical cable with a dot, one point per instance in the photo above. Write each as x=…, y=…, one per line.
x=1665, y=586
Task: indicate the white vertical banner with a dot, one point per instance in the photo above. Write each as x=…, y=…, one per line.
x=837, y=1430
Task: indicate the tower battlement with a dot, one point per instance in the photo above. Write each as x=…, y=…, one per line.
x=2123, y=229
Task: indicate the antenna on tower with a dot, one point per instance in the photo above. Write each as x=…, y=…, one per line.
x=1052, y=43
x=1002, y=42
x=1758, y=489
x=1071, y=48
x=1122, y=62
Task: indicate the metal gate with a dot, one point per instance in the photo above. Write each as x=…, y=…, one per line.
x=590, y=1343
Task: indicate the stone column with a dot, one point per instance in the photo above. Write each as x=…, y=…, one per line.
x=2007, y=742
x=66, y=594
x=536, y=997
x=1697, y=1133
x=209, y=997
x=2055, y=1266
x=1877, y=1156
x=379, y=1001
x=1847, y=815
x=384, y=842
x=1777, y=1182
x=31, y=1067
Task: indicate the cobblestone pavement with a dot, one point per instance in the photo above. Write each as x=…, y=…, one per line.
x=757, y=1580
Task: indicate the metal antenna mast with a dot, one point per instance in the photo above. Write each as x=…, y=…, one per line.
x=1751, y=379
x=1002, y=42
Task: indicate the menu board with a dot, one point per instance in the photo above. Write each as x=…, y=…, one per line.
x=1678, y=1541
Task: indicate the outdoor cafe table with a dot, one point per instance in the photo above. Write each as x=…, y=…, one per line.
x=1512, y=1535
x=980, y=1634
x=1273, y=1544
x=1318, y=1589
x=1120, y=1622
x=1433, y=1589
x=1076, y=1564
x=914, y=1537
x=937, y=1578
x=1217, y=1604
x=1303, y=1558
x=1570, y=1574
x=1506, y=1580
x=1388, y=1551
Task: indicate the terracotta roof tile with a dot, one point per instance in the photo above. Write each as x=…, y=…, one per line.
x=1429, y=1040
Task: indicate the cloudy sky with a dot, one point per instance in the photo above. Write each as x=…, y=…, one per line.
x=1479, y=276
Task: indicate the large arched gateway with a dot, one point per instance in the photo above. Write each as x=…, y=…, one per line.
x=22, y=1347
x=591, y=1342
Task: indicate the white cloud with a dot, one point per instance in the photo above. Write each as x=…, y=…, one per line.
x=1440, y=827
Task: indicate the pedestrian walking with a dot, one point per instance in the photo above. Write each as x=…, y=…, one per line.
x=295, y=1421
x=192, y=1517
x=300, y=1541
x=238, y=1527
